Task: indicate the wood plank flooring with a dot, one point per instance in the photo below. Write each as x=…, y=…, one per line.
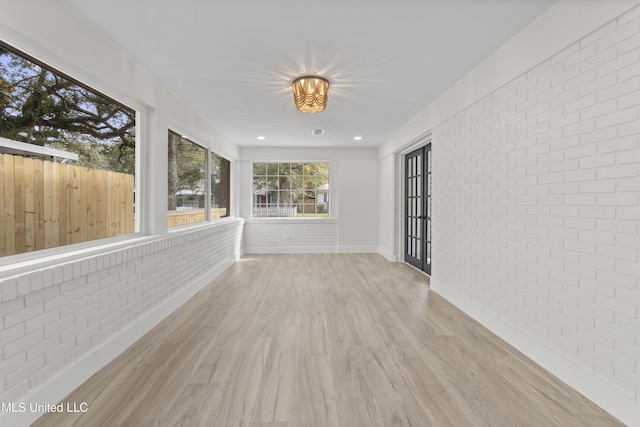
x=323, y=340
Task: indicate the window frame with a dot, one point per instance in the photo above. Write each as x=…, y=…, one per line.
x=209, y=153
x=54, y=64
x=332, y=196
x=210, y=156
x=73, y=80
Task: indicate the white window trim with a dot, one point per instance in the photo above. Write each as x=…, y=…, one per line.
x=44, y=257
x=333, y=194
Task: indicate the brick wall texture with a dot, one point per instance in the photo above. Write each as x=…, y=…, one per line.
x=386, y=206
x=537, y=203
x=274, y=235
x=51, y=317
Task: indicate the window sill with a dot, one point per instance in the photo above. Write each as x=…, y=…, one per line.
x=20, y=263
x=16, y=264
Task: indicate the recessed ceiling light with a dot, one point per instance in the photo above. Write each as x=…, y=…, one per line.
x=261, y=138
x=317, y=131
x=357, y=138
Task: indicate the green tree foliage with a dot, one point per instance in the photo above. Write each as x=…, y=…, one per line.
x=43, y=108
x=292, y=183
x=220, y=176
x=186, y=167
x=191, y=162
x=5, y=88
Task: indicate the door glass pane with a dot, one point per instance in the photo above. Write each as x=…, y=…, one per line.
x=417, y=166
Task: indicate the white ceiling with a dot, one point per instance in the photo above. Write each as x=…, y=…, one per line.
x=234, y=60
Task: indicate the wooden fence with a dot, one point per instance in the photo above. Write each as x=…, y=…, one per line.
x=193, y=216
x=46, y=204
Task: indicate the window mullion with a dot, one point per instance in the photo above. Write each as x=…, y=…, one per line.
x=207, y=187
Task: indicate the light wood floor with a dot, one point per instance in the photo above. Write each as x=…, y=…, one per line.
x=324, y=340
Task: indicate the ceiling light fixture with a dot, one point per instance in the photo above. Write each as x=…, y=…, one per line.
x=261, y=138
x=310, y=93
x=357, y=138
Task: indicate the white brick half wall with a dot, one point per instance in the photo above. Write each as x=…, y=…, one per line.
x=537, y=212
x=280, y=235
x=62, y=323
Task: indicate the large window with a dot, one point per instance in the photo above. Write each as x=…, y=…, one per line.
x=67, y=159
x=297, y=189
x=220, y=172
x=190, y=193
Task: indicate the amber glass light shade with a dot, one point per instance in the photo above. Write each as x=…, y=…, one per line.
x=310, y=93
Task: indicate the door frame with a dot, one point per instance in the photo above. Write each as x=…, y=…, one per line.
x=417, y=199
x=400, y=191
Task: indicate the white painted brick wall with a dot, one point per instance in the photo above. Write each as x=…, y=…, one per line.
x=386, y=205
x=51, y=317
x=537, y=203
x=280, y=235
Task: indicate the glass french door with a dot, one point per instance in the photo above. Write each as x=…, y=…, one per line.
x=418, y=208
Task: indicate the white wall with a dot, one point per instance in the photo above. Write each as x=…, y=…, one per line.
x=564, y=23
x=353, y=226
x=386, y=205
x=537, y=197
x=67, y=312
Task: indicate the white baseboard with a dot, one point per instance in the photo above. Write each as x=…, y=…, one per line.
x=310, y=249
x=63, y=383
x=357, y=249
x=387, y=254
x=291, y=249
x=595, y=389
